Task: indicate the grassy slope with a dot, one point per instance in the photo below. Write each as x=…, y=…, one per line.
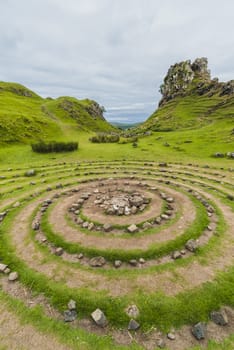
x=25, y=116
x=198, y=119
x=192, y=112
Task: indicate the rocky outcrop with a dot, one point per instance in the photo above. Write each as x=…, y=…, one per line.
x=95, y=110
x=73, y=108
x=186, y=77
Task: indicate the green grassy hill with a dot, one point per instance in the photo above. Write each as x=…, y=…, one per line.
x=196, y=113
x=192, y=112
x=25, y=116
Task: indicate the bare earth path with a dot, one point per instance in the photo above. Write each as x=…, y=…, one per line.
x=194, y=274
x=17, y=336
x=58, y=221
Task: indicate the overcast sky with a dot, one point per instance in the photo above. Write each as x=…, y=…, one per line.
x=114, y=51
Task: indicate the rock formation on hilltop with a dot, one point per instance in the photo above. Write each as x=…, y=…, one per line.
x=186, y=77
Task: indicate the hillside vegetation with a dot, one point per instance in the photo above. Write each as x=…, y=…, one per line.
x=122, y=245
x=192, y=100
x=25, y=116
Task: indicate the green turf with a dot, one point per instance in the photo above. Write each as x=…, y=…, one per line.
x=186, y=130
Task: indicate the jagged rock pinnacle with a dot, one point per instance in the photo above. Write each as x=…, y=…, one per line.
x=180, y=77
x=185, y=77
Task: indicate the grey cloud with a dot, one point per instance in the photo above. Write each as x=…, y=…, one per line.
x=116, y=52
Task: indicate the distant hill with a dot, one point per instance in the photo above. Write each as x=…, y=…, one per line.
x=125, y=126
x=192, y=100
x=25, y=116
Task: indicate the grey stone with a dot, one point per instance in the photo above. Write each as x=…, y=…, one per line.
x=132, y=228
x=165, y=217
x=199, y=331
x=134, y=209
x=147, y=225
x=133, y=262
x=158, y=220
x=85, y=224
x=136, y=201
x=107, y=227
x=171, y=336
x=142, y=207
x=191, y=245
x=70, y=315
x=219, y=317
x=2, y=215
x=59, y=186
x=230, y=197
x=133, y=325
x=97, y=261
x=48, y=201
x=133, y=311
x=13, y=276
x=210, y=209
x=71, y=304
x=85, y=196
x=79, y=221
x=142, y=261
x=58, y=251
x=161, y=344
x=99, y=318
x=117, y=263
x=170, y=199
x=3, y=267
x=36, y=225
x=176, y=255
x=91, y=226
x=30, y=172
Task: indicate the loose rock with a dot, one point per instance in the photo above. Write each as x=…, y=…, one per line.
x=58, y=251
x=36, y=225
x=133, y=311
x=117, y=263
x=191, y=245
x=97, y=261
x=133, y=262
x=107, y=227
x=70, y=315
x=171, y=336
x=199, y=331
x=161, y=344
x=133, y=325
x=176, y=255
x=99, y=318
x=3, y=267
x=132, y=228
x=219, y=317
x=13, y=276
x=71, y=305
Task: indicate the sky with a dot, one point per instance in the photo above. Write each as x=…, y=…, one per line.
x=116, y=52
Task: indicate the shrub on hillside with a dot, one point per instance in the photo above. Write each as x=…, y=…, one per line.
x=104, y=138
x=131, y=139
x=49, y=147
